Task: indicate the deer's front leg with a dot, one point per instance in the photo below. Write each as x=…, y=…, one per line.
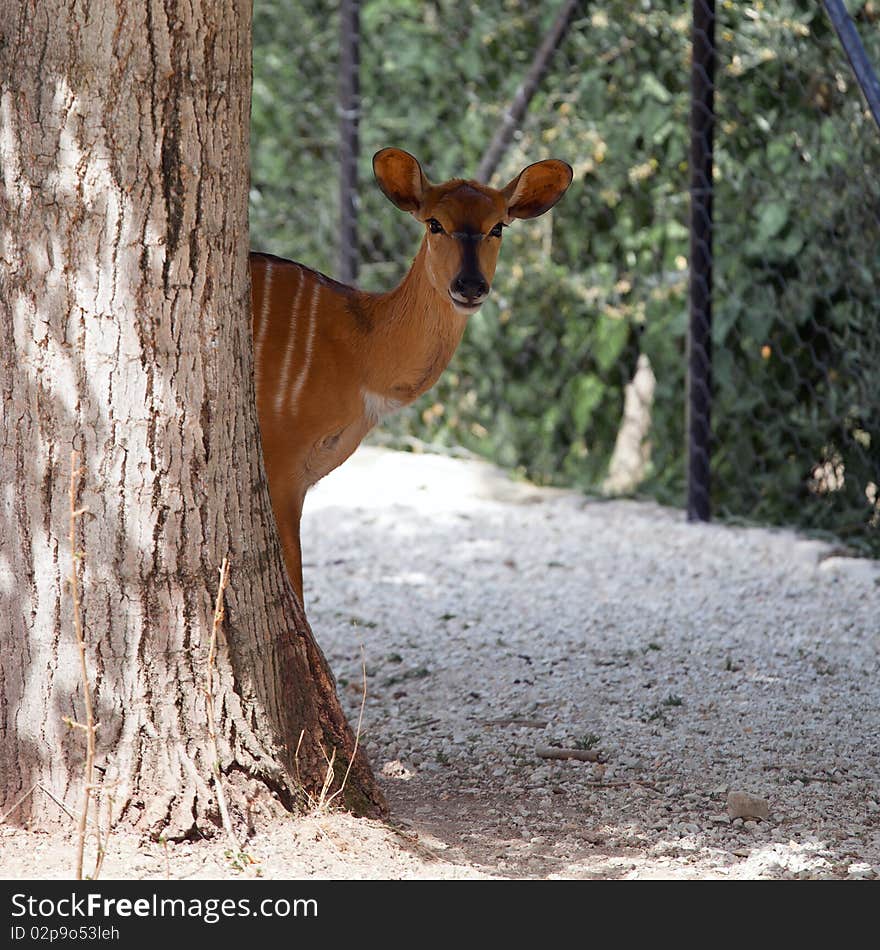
x=289, y=517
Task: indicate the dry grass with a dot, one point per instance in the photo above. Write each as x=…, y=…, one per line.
x=209, y=701
x=91, y=790
x=320, y=806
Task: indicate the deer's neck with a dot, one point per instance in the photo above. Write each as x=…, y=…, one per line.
x=415, y=331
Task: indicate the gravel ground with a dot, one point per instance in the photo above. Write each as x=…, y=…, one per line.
x=497, y=618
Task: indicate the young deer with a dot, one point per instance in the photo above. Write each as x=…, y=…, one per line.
x=331, y=360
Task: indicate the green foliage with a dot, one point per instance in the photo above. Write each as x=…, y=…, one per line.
x=797, y=374
x=538, y=383
x=294, y=199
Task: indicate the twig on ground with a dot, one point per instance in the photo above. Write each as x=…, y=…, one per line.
x=582, y=755
x=625, y=783
x=299, y=783
x=57, y=801
x=90, y=726
x=102, y=841
x=518, y=721
x=807, y=779
x=329, y=775
x=209, y=696
x=15, y=805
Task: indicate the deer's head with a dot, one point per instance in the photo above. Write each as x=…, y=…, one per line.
x=464, y=220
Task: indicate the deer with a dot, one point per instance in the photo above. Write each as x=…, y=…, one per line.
x=332, y=360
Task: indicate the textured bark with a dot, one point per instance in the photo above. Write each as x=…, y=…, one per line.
x=124, y=314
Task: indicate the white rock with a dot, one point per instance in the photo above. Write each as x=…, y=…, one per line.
x=860, y=569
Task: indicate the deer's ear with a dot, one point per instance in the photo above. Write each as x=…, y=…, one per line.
x=401, y=178
x=537, y=188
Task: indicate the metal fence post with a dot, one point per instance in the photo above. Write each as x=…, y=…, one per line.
x=699, y=356
x=349, y=114
x=852, y=45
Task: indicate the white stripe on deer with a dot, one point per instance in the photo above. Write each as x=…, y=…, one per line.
x=291, y=345
x=307, y=356
x=263, y=324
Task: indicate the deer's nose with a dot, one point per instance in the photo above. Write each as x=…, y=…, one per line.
x=471, y=289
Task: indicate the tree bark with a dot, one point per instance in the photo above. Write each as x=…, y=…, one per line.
x=125, y=322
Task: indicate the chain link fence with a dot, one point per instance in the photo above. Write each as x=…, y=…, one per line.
x=796, y=351
x=575, y=371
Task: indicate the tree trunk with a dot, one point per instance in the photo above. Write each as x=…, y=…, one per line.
x=125, y=321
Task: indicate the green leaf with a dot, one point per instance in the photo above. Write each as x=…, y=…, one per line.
x=587, y=392
x=611, y=334
x=652, y=86
x=771, y=220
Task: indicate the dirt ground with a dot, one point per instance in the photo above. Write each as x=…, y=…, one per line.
x=498, y=621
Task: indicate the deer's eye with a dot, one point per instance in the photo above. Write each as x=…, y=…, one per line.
x=434, y=226
x=496, y=231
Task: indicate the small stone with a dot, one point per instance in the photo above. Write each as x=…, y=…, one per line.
x=745, y=805
x=396, y=769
